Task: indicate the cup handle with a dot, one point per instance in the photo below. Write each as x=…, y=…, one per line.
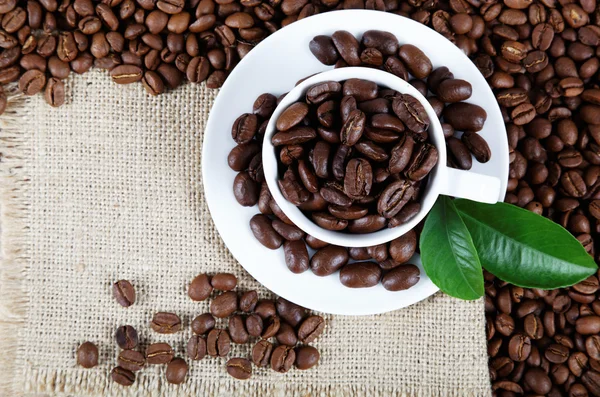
x=471, y=185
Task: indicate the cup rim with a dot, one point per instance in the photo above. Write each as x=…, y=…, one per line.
x=341, y=238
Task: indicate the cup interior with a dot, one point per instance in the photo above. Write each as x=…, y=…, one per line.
x=428, y=197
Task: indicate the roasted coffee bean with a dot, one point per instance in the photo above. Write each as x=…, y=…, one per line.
x=218, y=343
x=165, y=323
x=294, y=136
x=290, y=312
x=358, y=179
x=367, y=224
x=122, y=376
x=254, y=325
x=224, y=305
x=323, y=48
x=360, y=275
x=124, y=293
x=417, y=62
x=322, y=92
x=223, y=281
x=311, y=328
x=261, y=353
x=159, y=353
x=248, y=301
x=203, y=323
x=353, y=127
x=464, y=116
x=245, y=189
x=411, y=112
x=328, y=260
x=458, y=153
x=126, y=337
x=306, y=357
x=264, y=232
x=423, y=159
x=454, y=90
x=347, y=46
x=131, y=360
x=196, y=348
x=401, y=278
x=477, y=145
x=239, y=368
x=176, y=371
x=200, y=288
x=282, y=358
x=32, y=82
x=328, y=221
x=394, y=197
x=519, y=347
x=87, y=355
x=237, y=329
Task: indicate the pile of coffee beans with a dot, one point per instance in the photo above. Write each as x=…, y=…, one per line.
x=544, y=342
x=248, y=319
x=361, y=161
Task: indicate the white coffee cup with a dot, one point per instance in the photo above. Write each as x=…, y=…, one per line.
x=442, y=179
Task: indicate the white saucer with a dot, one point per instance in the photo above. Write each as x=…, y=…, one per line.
x=274, y=66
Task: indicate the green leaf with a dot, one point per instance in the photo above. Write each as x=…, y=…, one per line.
x=523, y=248
x=448, y=254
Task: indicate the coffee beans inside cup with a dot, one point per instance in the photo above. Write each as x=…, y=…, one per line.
x=366, y=175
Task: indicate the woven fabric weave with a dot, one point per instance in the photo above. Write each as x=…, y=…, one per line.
x=109, y=187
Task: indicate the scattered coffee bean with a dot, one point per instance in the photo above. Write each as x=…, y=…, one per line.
x=224, y=305
x=122, y=376
x=165, y=323
x=200, y=288
x=176, y=371
x=203, y=323
x=126, y=337
x=239, y=368
x=218, y=343
x=124, y=293
x=131, y=360
x=282, y=358
x=87, y=355
x=159, y=353
x=306, y=357
x=223, y=281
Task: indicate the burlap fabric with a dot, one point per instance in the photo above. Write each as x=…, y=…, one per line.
x=109, y=187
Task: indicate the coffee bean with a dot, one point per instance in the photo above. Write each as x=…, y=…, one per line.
x=411, y=112
x=176, y=371
x=124, y=293
x=306, y=357
x=223, y=281
x=122, y=376
x=131, y=360
x=591, y=380
x=282, y=358
x=32, y=82
x=311, y=328
x=262, y=229
x=323, y=48
x=159, y=353
x=126, y=74
x=401, y=278
x=464, y=116
x=454, y=90
x=224, y=305
x=360, y=275
x=239, y=368
x=218, y=343
x=557, y=353
x=394, y=197
x=286, y=335
x=203, y=323
x=477, y=145
x=588, y=325
x=166, y=323
x=87, y=355
x=196, y=347
x=261, y=353
x=367, y=224
x=417, y=62
x=248, y=301
x=347, y=46
x=200, y=288
x=126, y=337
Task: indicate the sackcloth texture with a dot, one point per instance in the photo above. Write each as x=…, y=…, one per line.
x=109, y=187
